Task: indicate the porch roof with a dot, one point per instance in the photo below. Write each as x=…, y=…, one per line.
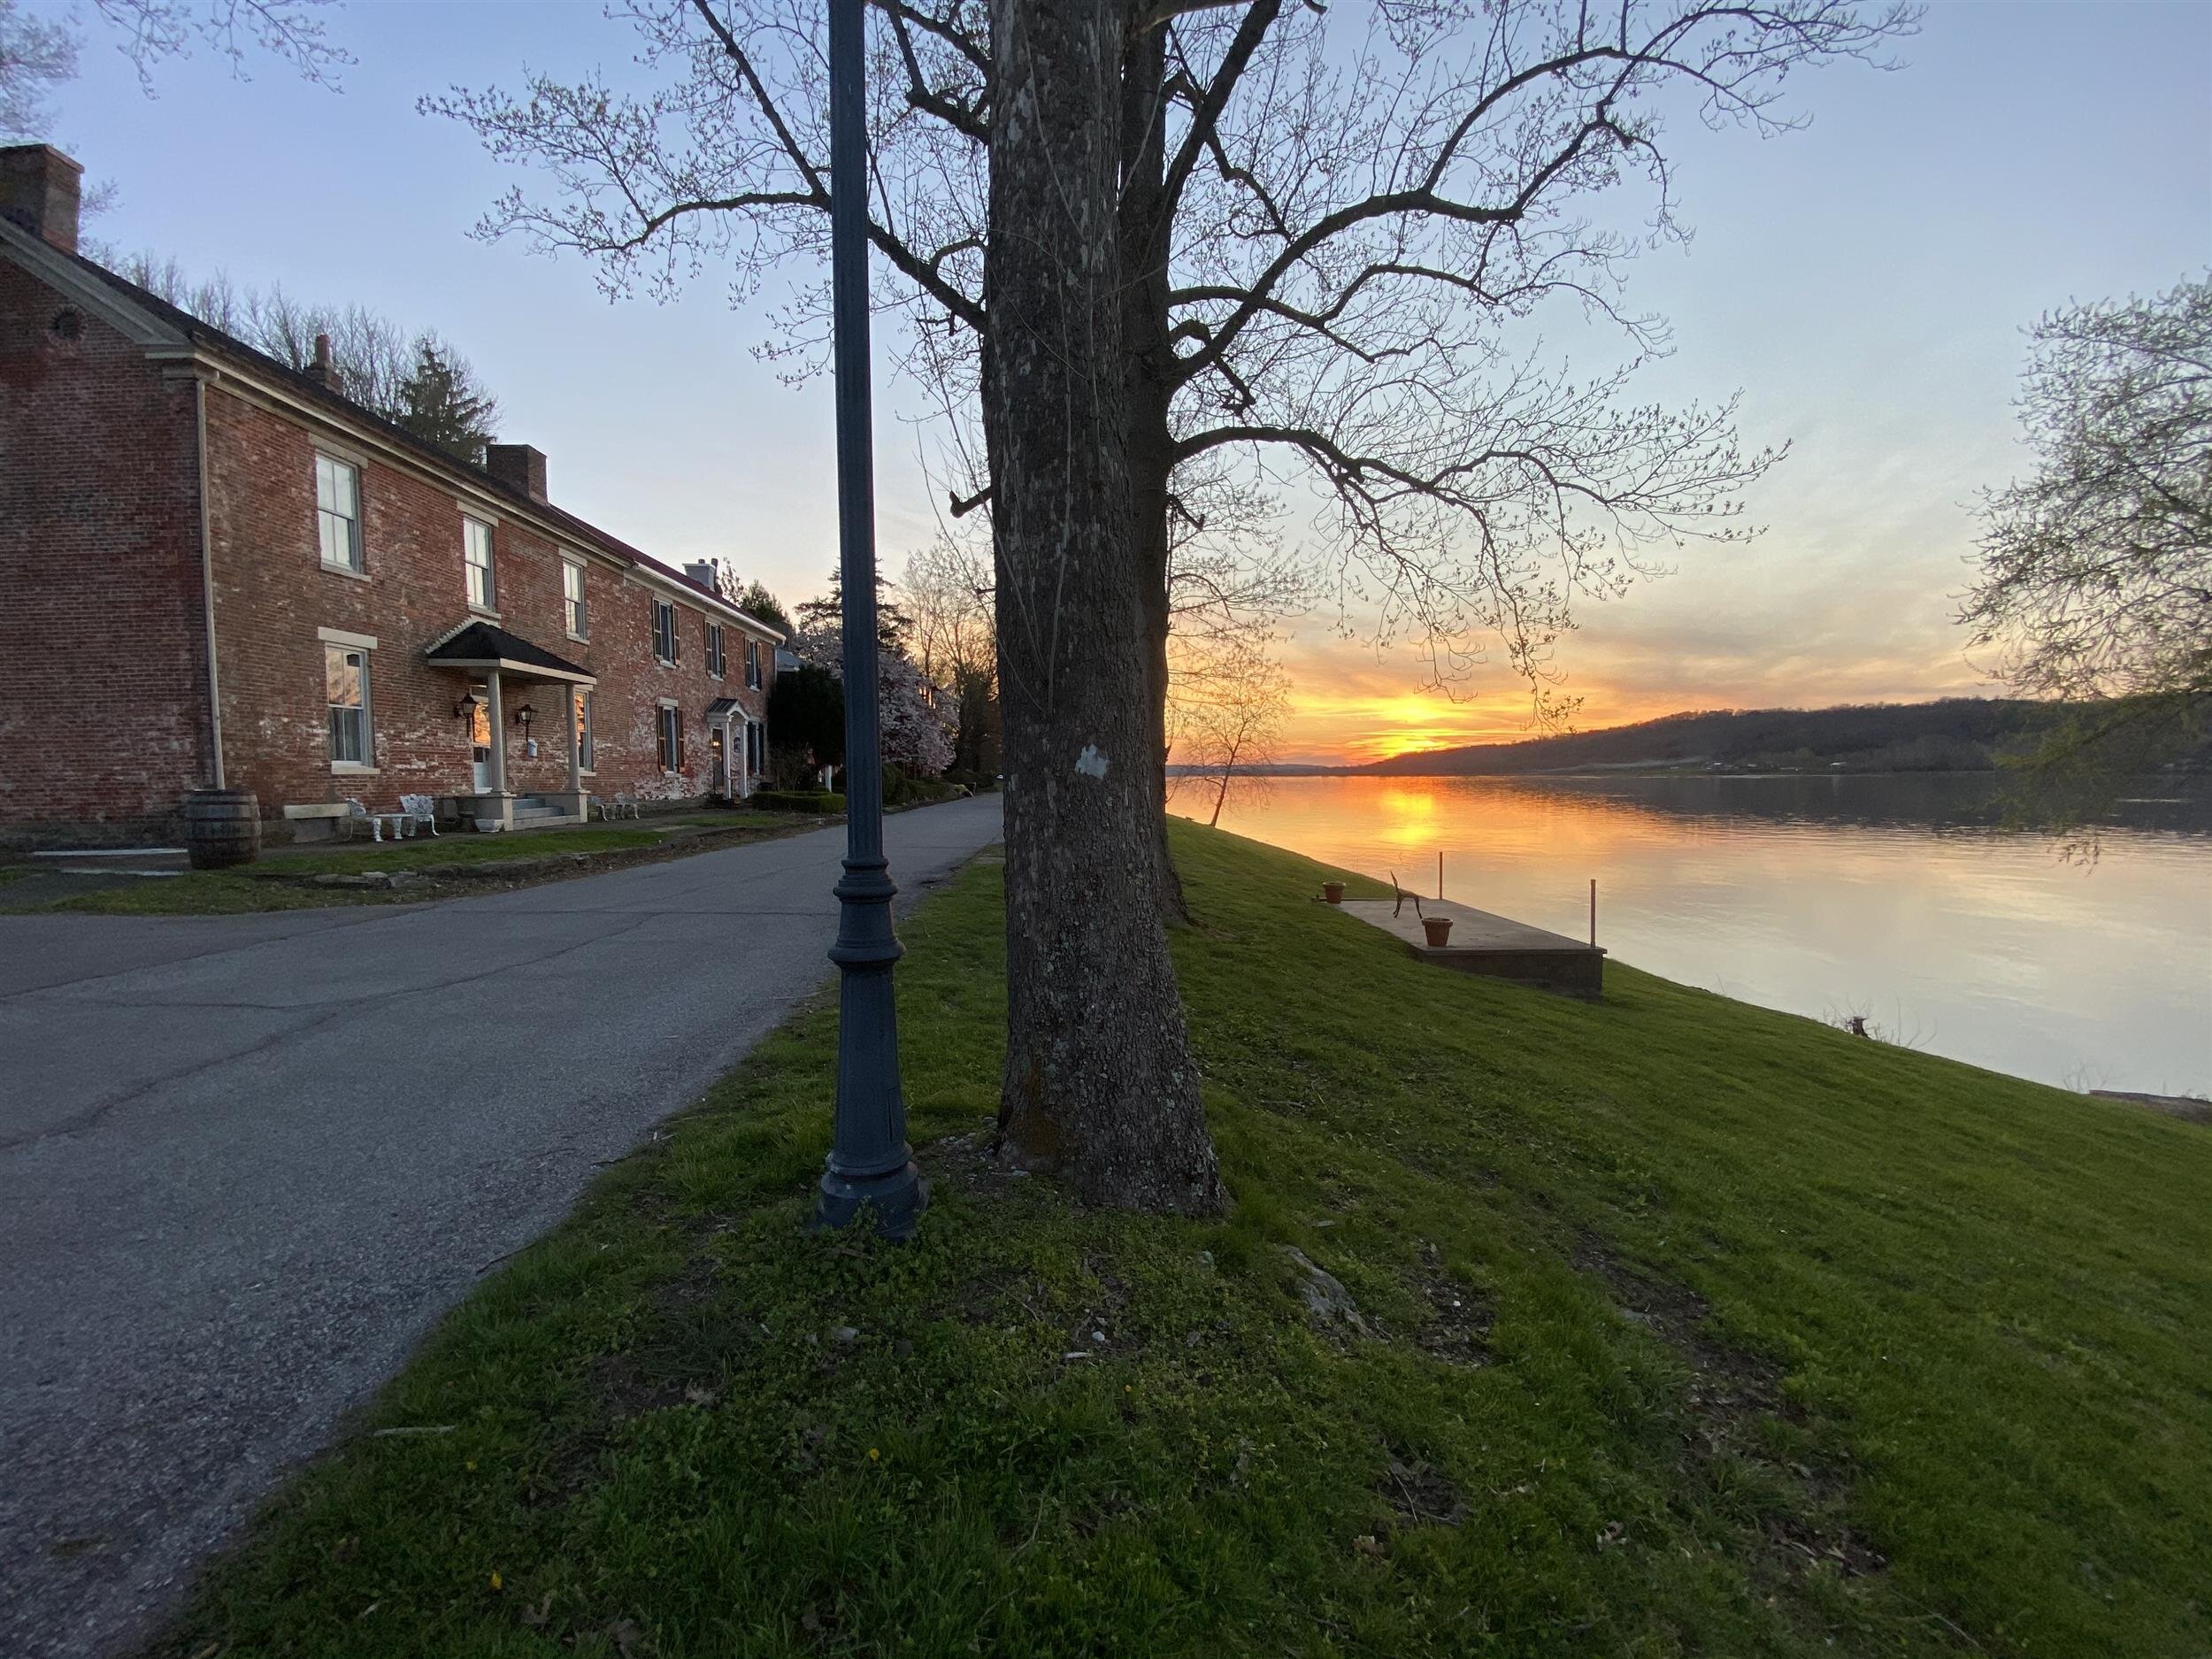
x=721, y=706
x=479, y=645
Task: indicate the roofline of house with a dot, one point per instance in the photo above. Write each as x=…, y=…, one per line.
x=173, y=335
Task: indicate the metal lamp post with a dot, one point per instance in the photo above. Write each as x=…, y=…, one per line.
x=870, y=1167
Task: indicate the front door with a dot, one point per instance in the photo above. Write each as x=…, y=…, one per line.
x=480, y=747
x=720, y=751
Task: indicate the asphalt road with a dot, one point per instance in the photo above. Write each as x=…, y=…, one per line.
x=247, y=1162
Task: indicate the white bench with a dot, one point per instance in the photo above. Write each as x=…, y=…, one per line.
x=617, y=806
x=401, y=823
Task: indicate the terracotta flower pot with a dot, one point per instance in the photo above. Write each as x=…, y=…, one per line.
x=1439, y=928
x=1332, y=891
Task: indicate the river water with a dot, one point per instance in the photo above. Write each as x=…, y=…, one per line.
x=1884, y=896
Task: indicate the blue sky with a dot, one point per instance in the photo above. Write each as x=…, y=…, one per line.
x=1863, y=282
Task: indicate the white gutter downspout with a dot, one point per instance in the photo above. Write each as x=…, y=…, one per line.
x=207, y=582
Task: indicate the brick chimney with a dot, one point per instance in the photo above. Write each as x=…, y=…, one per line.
x=324, y=370
x=517, y=464
x=38, y=190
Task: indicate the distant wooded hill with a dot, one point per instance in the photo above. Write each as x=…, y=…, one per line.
x=1956, y=734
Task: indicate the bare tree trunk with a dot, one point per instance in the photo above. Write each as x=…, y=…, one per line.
x=1100, y=1085
x=1148, y=362
x=1228, y=771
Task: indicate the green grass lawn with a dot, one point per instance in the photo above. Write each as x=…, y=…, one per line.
x=269, y=884
x=1690, y=1328
x=348, y=858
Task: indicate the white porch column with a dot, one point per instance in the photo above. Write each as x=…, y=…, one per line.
x=498, y=713
x=575, y=747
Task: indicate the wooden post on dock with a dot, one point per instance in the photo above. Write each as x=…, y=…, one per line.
x=1594, y=912
x=1440, y=873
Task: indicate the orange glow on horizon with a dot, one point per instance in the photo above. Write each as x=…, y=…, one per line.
x=1356, y=729
x=1350, y=707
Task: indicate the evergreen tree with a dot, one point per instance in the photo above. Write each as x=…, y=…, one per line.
x=442, y=402
x=826, y=616
x=757, y=601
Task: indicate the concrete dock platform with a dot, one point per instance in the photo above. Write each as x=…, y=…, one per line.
x=1496, y=947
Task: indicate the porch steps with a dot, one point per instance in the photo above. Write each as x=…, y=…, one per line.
x=531, y=811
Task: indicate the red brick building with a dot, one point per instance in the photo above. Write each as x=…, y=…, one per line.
x=218, y=572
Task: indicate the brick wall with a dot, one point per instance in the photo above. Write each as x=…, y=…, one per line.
x=273, y=593
x=103, y=712
x=103, y=671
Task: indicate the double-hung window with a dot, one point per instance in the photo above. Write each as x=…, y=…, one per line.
x=663, y=630
x=338, y=513
x=585, y=759
x=573, y=598
x=346, y=689
x=671, y=738
x=476, y=553
x=752, y=664
x=714, y=649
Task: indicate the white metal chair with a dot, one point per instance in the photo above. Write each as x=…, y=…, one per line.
x=617, y=806
x=421, y=811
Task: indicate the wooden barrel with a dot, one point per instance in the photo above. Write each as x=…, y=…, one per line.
x=222, y=827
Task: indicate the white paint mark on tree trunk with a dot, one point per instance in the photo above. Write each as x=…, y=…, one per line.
x=1090, y=763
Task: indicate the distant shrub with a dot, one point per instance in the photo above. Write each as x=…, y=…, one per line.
x=928, y=792
x=796, y=801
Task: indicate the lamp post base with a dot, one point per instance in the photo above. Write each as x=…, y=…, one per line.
x=870, y=1165
x=897, y=1199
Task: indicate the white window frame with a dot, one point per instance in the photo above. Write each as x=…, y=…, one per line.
x=487, y=600
x=718, y=658
x=575, y=606
x=332, y=522
x=752, y=664
x=366, y=737
x=584, y=736
x=664, y=632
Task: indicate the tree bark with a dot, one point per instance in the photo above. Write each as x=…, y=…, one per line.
x=1148, y=361
x=1100, y=1086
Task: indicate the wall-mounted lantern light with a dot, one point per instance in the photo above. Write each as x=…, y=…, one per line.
x=523, y=715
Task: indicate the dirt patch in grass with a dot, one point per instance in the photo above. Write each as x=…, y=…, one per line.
x=1729, y=1403
x=622, y=1390
x=1727, y=1385
x=1420, y=1495
x=1457, y=1330
x=971, y=1164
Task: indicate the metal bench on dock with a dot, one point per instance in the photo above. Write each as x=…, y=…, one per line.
x=1494, y=946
